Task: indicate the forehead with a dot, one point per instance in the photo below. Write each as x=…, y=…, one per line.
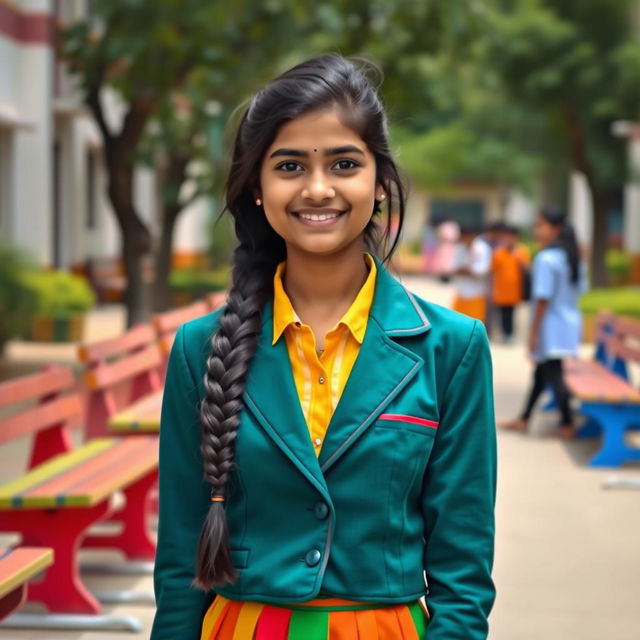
x=316, y=130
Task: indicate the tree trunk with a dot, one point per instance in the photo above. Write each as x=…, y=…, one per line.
x=600, y=201
x=137, y=296
x=136, y=240
x=599, y=273
x=161, y=288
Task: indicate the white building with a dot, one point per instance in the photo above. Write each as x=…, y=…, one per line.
x=52, y=180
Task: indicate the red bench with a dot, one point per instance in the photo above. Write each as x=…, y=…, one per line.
x=119, y=371
x=166, y=325
x=17, y=567
x=65, y=491
x=608, y=398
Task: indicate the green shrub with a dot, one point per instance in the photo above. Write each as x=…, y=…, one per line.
x=18, y=301
x=618, y=264
x=620, y=300
x=60, y=293
x=197, y=283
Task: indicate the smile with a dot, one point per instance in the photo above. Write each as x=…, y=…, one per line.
x=319, y=216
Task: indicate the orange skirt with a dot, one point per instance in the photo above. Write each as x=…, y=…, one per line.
x=474, y=307
x=320, y=619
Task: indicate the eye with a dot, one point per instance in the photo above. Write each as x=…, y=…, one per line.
x=345, y=165
x=289, y=166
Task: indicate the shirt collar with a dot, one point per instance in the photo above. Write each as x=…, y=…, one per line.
x=355, y=319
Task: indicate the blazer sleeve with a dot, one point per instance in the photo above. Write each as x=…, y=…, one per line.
x=184, y=500
x=458, y=501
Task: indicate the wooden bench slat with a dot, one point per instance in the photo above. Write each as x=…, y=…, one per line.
x=86, y=480
x=135, y=338
x=111, y=374
x=77, y=478
x=20, y=564
x=53, y=467
x=141, y=416
x=38, y=385
x=592, y=382
x=55, y=411
x=169, y=321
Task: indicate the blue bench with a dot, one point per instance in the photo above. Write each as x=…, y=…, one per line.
x=606, y=393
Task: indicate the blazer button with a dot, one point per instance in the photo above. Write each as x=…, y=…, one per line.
x=313, y=557
x=321, y=511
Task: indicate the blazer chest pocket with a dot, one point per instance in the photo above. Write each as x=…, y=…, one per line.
x=405, y=440
x=420, y=425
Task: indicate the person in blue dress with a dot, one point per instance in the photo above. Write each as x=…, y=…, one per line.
x=557, y=281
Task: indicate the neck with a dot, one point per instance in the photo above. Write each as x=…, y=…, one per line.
x=328, y=281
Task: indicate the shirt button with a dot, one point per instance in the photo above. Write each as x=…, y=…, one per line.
x=313, y=557
x=321, y=380
x=321, y=511
x=317, y=442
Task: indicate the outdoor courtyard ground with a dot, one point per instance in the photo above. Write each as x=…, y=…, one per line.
x=567, y=550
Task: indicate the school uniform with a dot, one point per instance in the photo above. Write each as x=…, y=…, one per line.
x=335, y=536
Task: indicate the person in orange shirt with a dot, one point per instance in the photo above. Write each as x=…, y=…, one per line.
x=509, y=267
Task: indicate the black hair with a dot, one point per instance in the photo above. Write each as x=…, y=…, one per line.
x=325, y=82
x=566, y=239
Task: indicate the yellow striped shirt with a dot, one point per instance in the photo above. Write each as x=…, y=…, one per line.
x=320, y=380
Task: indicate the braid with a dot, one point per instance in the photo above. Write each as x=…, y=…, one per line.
x=232, y=348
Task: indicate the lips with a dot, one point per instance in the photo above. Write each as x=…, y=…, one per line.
x=318, y=215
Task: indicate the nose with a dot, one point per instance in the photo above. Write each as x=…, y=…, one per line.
x=318, y=187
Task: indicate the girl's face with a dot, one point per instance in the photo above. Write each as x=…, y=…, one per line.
x=318, y=184
x=544, y=233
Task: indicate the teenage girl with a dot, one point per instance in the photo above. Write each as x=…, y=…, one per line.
x=557, y=281
x=345, y=427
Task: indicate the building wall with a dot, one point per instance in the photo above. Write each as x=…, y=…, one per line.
x=53, y=200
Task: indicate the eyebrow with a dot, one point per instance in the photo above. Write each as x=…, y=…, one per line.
x=334, y=151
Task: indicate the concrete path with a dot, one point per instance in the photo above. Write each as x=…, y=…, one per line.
x=567, y=551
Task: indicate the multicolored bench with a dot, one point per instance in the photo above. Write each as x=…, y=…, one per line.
x=17, y=566
x=119, y=372
x=67, y=490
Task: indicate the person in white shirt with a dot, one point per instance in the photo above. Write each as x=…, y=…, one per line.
x=471, y=274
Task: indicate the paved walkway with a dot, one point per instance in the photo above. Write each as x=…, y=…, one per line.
x=567, y=551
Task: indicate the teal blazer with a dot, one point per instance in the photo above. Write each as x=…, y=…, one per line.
x=404, y=486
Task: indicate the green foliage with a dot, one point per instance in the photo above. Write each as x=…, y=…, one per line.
x=197, y=283
x=621, y=301
x=59, y=293
x=618, y=264
x=18, y=301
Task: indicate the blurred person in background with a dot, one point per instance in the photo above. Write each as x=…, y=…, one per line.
x=471, y=273
x=509, y=269
x=557, y=281
x=448, y=236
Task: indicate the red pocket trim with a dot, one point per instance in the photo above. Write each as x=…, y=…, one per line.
x=412, y=419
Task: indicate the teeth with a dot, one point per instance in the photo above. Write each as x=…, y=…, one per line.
x=319, y=216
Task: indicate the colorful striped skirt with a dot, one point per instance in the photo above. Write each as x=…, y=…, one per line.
x=320, y=619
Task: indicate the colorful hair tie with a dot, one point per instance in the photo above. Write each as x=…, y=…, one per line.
x=217, y=498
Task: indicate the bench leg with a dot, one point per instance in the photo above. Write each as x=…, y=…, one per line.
x=12, y=600
x=590, y=429
x=61, y=589
x=134, y=540
x=615, y=420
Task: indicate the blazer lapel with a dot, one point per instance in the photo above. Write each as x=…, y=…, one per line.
x=271, y=396
x=382, y=369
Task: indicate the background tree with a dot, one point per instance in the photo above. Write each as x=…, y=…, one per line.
x=179, y=68
x=578, y=63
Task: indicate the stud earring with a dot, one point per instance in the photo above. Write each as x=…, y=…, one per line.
x=382, y=196
x=258, y=202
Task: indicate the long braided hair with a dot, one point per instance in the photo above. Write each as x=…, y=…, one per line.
x=328, y=81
